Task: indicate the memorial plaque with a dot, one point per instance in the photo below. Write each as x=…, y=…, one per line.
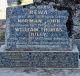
x=37, y=37
x=39, y=26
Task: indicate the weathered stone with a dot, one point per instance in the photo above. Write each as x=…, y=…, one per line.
x=39, y=26
x=39, y=59
x=37, y=35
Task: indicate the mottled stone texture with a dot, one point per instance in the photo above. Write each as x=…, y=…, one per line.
x=39, y=59
x=37, y=27
x=42, y=27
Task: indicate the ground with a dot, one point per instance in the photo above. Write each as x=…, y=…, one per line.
x=39, y=72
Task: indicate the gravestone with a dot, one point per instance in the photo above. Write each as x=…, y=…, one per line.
x=36, y=36
x=34, y=27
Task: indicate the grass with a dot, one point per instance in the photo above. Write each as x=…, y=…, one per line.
x=2, y=36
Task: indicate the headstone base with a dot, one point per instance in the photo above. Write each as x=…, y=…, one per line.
x=40, y=59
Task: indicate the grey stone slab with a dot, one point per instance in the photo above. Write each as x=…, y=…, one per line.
x=39, y=59
x=39, y=26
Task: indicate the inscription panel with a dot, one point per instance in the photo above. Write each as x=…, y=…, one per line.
x=37, y=26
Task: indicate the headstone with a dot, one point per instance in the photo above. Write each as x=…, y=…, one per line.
x=36, y=36
x=41, y=27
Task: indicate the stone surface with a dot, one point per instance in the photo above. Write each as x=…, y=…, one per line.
x=41, y=31
x=39, y=26
x=39, y=72
x=39, y=59
x=77, y=42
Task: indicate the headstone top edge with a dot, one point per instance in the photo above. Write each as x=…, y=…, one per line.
x=60, y=8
